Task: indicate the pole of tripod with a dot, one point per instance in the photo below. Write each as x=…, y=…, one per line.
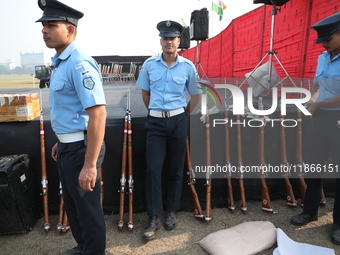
x=271, y=50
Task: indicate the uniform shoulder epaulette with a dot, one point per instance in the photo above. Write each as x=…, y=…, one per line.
x=150, y=59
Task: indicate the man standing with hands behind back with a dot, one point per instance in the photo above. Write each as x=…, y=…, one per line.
x=78, y=116
x=323, y=134
x=164, y=81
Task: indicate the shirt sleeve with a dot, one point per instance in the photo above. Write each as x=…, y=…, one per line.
x=143, y=81
x=88, y=83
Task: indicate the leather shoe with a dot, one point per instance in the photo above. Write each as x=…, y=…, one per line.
x=170, y=220
x=302, y=219
x=335, y=236
x=149, y=231
x=73, y=251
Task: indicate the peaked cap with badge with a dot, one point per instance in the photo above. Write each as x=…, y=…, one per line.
x=55, y=10
x=327, y=27
x=169, y=28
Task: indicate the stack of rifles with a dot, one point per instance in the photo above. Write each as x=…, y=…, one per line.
x=127, y=181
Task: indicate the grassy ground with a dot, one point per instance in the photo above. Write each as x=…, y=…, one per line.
x=18, y=81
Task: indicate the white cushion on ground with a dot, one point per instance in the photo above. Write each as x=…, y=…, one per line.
x=244, y=239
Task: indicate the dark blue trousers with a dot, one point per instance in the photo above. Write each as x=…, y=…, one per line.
x=83, y=208
x=166, y=139
x=323, y=138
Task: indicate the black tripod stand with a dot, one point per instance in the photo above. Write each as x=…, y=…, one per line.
x=271, y=53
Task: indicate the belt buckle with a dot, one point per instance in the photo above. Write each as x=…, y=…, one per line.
x=165, y=114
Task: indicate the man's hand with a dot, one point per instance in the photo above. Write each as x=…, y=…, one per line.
x=312, y=106
x=87, y=178
x=54, y=151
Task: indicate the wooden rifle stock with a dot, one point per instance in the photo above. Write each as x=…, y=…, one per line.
x=44, y=180
x=299, y=159
x=130, y=173
x=240, y=166
x=290, y=198
x=123, y=175
x=208, y=216
x=231, y=204
x=191, y=182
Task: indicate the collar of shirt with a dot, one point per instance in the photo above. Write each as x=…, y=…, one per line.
x=179, y=59
x=64, y=55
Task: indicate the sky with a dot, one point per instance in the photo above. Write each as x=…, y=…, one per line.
x=109, y=27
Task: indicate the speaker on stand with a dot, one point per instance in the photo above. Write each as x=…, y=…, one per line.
x=199, y=31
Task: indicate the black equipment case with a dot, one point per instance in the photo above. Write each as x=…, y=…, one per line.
x=18, y=195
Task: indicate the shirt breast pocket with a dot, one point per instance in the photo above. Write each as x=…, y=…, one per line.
x=334, y=83
x=155, y=82
x=179, y=85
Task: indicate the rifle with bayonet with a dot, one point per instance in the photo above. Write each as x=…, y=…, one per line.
x=240, y=166
x=44, y=180
x=299, y=159
x=290, y=198
x=208, y=181
x=123, y=173
x=191, y=182
x=231, y=204
x=266, y=203
x=130, y=169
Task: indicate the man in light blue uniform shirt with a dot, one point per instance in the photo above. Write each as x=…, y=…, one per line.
x=78, y=117
x=165, y=80
x=323, y=134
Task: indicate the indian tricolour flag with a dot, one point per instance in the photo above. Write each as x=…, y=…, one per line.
x=218, y=6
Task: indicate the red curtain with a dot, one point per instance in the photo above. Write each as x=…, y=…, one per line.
x=245, y=43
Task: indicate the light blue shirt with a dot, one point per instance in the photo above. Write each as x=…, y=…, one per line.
x=168, y=85
x=75, y=85
x=327, y=76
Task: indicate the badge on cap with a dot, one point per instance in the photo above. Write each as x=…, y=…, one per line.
x=43, y=2
x=168, y=23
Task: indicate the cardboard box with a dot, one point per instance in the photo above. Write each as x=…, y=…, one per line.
x=19, y=107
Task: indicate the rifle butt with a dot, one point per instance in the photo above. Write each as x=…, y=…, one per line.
x=266, y=203
x=323, y=198
x=243, y=196
x=290, y=198
x=208, y=216
x=231, y=204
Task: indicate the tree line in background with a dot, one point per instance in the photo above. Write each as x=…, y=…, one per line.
x=17, y=70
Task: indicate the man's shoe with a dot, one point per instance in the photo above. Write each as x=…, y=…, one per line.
x=149, y=231
x=335, y=236
x=170, y=220
x=302, y=219
x=73, y=251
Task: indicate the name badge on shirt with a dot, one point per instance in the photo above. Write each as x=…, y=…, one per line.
x=88, y=83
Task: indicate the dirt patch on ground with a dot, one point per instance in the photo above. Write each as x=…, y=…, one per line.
x=181, y=240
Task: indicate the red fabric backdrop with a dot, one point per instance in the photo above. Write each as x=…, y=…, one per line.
x=239, y=48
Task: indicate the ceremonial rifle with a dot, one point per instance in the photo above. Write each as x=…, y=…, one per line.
x=299, y=159
x=231, y=205
x=130, y=169
x=191, y=182
x=123, y=173
x=240, y=166
x=61, y=210
x=290, y=198
x=208, y=177
x=44, y=180
x=266, y=203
